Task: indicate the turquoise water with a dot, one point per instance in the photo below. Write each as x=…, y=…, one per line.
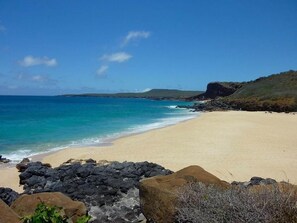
x=30, y=125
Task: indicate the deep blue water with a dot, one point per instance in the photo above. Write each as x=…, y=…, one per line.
x=32, y=124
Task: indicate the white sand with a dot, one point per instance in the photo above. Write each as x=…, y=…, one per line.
x=231, y=145
x=9, y=177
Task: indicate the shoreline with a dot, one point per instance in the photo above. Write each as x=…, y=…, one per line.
x=226, y=140
x=9, y=171
x=108, y=140
x=233, y=145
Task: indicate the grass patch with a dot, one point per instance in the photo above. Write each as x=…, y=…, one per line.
x=198, y=203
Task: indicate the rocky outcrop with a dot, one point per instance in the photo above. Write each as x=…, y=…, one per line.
x=23, y=165
x=110, y=190
x=219, y=89
x=158, y=195
x=213, y=105
x=4, y=160
x=255, y=181
x=8, y=195
x=26, y=204
x=7, y=215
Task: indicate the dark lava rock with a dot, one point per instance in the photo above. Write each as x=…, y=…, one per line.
x=8, y=195
x=91, y=161
x=4, y=160
x=213, y=105
x=109, y=190
x=255, y=181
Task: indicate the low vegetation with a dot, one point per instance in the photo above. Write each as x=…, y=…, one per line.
x=277, y=92
x=151, y=94
x=200, y=203
x=51, y=214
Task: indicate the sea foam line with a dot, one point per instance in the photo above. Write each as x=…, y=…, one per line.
x=180, y=116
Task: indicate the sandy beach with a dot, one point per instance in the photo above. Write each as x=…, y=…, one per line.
x=232, y=145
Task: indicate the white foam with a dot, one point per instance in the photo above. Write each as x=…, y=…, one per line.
x=175, y=107
x=179, y=116
x=162, y=123
x=172, y=107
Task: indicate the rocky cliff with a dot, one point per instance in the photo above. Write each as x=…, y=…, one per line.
x=277, y=92
x=219, y=89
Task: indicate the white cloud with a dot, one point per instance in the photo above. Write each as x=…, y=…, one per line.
x=29, y=61
x=135, y=35
x=102, y=70
x=38, y=78
x=116, y=57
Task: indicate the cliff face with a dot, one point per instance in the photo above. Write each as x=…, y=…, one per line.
x=219, y=89
x=277, y=92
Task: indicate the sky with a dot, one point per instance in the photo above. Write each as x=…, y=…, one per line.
x=50, y=47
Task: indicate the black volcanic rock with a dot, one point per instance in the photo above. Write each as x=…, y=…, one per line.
x=110, y=191
x=255, y=181
x=8, y=195
x=4, y=160
x=212, y=105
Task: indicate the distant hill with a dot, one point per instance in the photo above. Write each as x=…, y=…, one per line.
x=277, y=92
x=156, y=94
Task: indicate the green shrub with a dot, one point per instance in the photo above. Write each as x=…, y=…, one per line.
x=50, y=214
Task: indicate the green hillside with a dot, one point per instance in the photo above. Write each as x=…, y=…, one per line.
x=277, y=92
x=157, y=94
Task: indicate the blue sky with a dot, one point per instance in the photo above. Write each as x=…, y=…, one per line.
x=53, y=47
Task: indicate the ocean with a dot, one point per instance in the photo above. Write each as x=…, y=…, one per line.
x=31, y=125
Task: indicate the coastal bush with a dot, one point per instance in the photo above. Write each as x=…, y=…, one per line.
x=51, y=214
x=199, y=203
x=277, y=92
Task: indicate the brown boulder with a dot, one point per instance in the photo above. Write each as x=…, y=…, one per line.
x=7, y=214
x=23, y=165
x=158, y=195
x=26, y=204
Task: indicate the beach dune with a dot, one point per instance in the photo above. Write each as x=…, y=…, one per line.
x=231, y=145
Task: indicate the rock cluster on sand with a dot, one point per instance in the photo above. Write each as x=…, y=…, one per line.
x=212, y=105
x=4, y=160
x=110, y=191
x=254, y=181
x=113, y=191
x=8, y=195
